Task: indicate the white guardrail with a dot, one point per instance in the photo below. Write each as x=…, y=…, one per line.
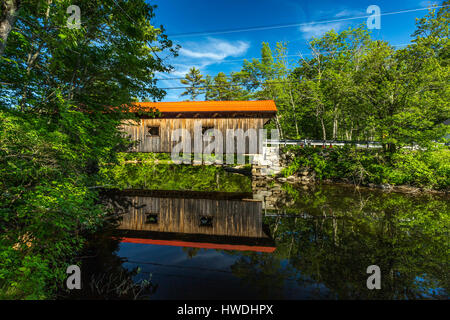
x=329, y=143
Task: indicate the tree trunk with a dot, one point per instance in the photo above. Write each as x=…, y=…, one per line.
x=7, y=20
x=293, y=112
x=324, y=131
x=277, y=122
x=335, y=122
x=335, y=127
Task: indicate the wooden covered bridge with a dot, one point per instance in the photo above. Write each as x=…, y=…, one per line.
x=156, y=134
x=229, y=221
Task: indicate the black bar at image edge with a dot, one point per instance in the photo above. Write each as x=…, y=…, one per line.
x=252, y=309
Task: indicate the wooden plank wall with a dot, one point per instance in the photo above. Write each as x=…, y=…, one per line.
x=164, y=143
x=240, y=218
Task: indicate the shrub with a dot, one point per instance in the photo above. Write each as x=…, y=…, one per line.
x=421, y=168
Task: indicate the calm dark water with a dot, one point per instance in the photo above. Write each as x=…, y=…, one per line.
x=300, y=243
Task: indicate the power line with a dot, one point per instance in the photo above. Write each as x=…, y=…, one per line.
x=289, y=55
x=123, y=11
x=250, y=83
x=281, y=26
x=290, y=25
x=132, y=22
x=242, y=84
x=178, y=266
x=267, y=28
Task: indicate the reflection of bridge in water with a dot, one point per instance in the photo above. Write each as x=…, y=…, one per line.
x=229, y=221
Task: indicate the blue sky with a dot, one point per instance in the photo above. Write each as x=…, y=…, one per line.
x=213, y=53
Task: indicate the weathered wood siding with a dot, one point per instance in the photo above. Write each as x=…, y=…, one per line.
x=164, y=142
x=241, y=218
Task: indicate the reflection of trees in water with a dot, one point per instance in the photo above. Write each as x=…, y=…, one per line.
x=150, y=175
x=190, y=252
x=117, y=205
x=102, y=271
x=325, y=249
x=104, y=276
x=263, y=272
x=344, y=233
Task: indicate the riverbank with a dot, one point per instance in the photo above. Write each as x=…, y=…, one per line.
x=308, y=179
x=338, y=166
x=407, y=171
x=406, y=189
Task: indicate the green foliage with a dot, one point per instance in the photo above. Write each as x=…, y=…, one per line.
x=345, y=231
x=57, y=125
x=353, y=87
x=194, y=81
x=419, y=168
x=158, y=175
x=45, y=203
x=220, y=88
x=327, y=236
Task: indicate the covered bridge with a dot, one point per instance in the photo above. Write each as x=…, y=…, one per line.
x=156, y=134
x=212, y=220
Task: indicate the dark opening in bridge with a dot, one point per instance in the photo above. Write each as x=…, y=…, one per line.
x=153, y=131
x=205, y=221
x=204, y=129
x=151, y=218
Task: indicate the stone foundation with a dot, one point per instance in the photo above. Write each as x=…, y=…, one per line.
x=267, y=163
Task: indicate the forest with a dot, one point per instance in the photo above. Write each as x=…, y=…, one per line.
x=352, y=87
x=57, y=129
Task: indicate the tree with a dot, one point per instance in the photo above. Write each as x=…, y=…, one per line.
x=223, y=88
x=8, y=13
x=407, y=89
x=352, y=87
x=327, y=81
x=194, y=80
x=58, y=125
x=265, y=79
x=209, y=84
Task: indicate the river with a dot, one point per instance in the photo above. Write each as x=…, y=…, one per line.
x=276, y=242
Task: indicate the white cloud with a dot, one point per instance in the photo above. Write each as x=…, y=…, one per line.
x=318, y=30
x=214, y=49
x=350, y=13
x=342, y=12
x=200, y=55
x=428, y=3
x=197, y=54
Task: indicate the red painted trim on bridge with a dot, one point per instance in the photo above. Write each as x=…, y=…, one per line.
x=203, y=245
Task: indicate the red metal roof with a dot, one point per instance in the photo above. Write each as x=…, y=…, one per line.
x=202, y=245
x=206, y=106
